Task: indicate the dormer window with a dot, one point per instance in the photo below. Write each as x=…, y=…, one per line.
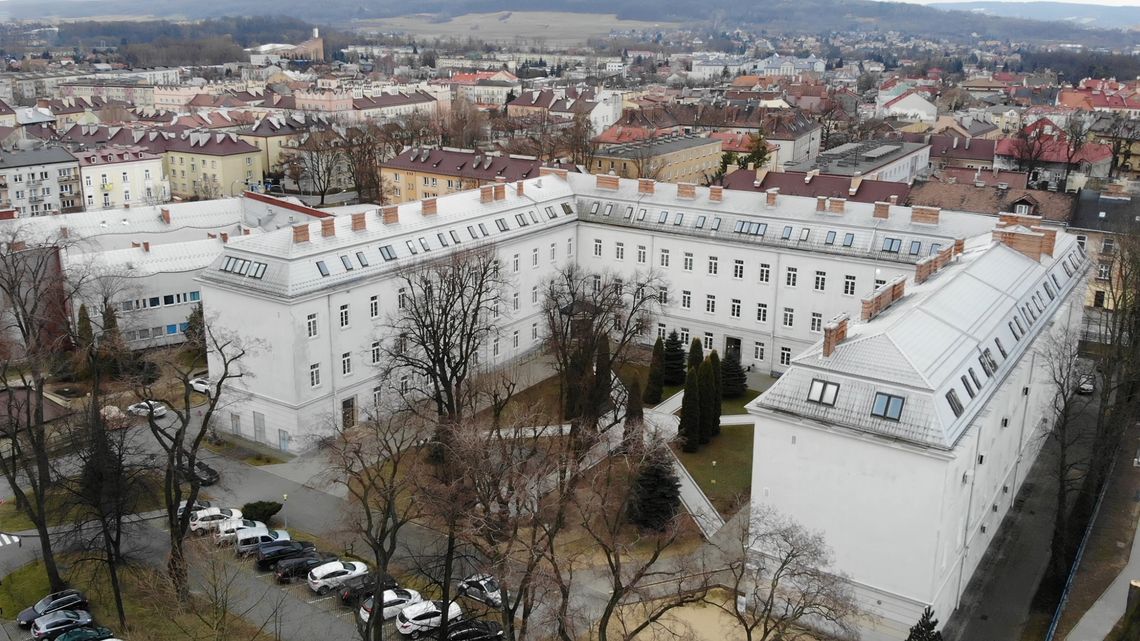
x=887, y=406
x=823, y=392
x=955, y=403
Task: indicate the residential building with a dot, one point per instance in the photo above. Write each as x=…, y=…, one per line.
x=419, y=172
x=273, y=134
x=672, y=159
x=1042, y=149
x=911, y=105
x=1100, y=221
x=40, y=181
x=887, y=160
x=117, y=177
x=391, y=106
x=956, y=151
x=208, y=165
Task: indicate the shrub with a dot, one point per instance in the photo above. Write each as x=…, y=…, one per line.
x=260, y=510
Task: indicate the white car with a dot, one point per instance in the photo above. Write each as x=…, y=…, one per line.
x=198, y=505
x=227, y=532
x=391, y=603
x=204, y=521
x=202, y=386
x=144, y=408
x=1086, y=385
x=483, y=588
x=424, y=617
x=330, y=575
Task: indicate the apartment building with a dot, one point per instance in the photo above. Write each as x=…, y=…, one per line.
x=419, y=172
x=1100, y=220
x=887, y=160
x=115, y=177
x=670, y=159
x=210, y=165
x=40, y=181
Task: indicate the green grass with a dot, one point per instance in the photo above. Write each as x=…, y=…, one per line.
x=59, y=512
x=23, y=587
x=728, y=482
x=731, y=406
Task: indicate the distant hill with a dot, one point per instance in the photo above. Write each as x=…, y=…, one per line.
x=793, y=16
x=1089, y=15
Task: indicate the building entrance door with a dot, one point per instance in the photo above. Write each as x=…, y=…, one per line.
x=732, y=347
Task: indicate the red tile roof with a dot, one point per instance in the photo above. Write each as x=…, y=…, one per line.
x=464, y=164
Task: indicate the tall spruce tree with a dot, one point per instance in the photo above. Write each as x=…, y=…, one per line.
x=83, y=330
x=732, y=377
x=696, y=354
x=673, y=370
x=656, y=491
x=926, y=629
x=718, y=391
x=655, y=384
x=710, y=402
x=690, y=427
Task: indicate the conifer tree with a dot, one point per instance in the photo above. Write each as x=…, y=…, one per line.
x=673, y=370
x=926, y=629
x=84, y=333
x=656, y=490
x=732, y=378
x=696, y=355
x=655, y=384
x=709, y=401
x=690, y=427
x=718, y=392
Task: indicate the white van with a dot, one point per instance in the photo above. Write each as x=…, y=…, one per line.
x=227, y=530
x=248, y=540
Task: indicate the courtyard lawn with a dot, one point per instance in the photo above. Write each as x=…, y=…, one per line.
x=731, y=406
x=723, y=468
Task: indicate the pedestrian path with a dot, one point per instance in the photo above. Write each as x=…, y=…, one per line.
x=9, y=539
x=1099, y=620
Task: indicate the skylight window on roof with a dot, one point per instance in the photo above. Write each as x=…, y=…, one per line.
x=741, y=226
x=228, y=265
x=955, y=403
x=758, y=229
x=629, y=212
x=533, y=216
x=967, y=385
x=915, y=247
x=679, y=218
x=424, y=244
x=887, y=406
x=455, y=236
x=935, y=248
x=805, y=233
x=989, y=365
x=347, y=262
x=258, y=270
x=641, y=214
x=361, y=259
x=823, y=392
x=324, y=269
x=412, y=247
x=715, y=224
x=521, y=220
x=471, y=230
x=700, y=222
x=662, y=217
x=594, y=207
x=974, y=377
x=892, y=245
x=442, y=239
x=787, y=233
x=501, y=223
x=567, y=209
x=829, y=239
x=550, y=213
x=848, y=239
x=609, y=209
x=387, y=253
x=483, y=230
x=243, y=267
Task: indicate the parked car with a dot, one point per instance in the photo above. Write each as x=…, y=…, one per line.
x=474, y=630
x=354, y=590
x=54, y=602
x=290, y=569
x=226, y=532
x=198, y=505
x=483, y=588
x=205, y=474
x=50, y=626
x=205, y=521
x=249, y=540
x=144, y=408
x=424, y=617
x=202, y=385
x=270, y=554
x=89, y=633
x=392, y=601
x=1087, y=385
x=331, y=575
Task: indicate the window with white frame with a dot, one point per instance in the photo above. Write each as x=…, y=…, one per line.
x=375, y=352
x=346, y=363
x=762, y=312
x=684, y=334
x=820, y=281
x=758, y=351
x=849, y=285
x=315, y=375
x=663, y=295
x=791, y=275
x=710, y=303
x=823, y=392
x=597, y=247
x=765, y=272
x=789, y=317
x=619, y=251
x=785, y=355
x=534, y=257
x=708, y=340
x=714, y=265
x=374, y=306
x=311, y=325
x=687, y=262
x=664, y=258
x=738, y=269
x=344, y=315
x=734, y=308
x=641, y=254
x=686, y=299
x=816, y=322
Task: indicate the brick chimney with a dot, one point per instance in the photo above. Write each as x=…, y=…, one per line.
x=837, y=205
x=428, y=207
x=519, y=190
x=500, y=191
x=301, y=233
x=924, y=269
x=1026, y=242
x=146, y=245
x=1049, y=241
x=773, y=195
x=358, y=222
x=894, y=199
x=882, y=210
x=960, y=245
x=716, y=193
x=687, y=191
x=390, y=215
x=834, y=333
x=486, y=193
x=925, y=215
x=646, y=185
x=224, y=236
x=328, y=227
x=165, y=215
x=551, y=171
x=606, y=181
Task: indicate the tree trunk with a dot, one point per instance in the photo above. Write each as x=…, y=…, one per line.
x=176, y=568
x=48, y=555
x=113, y=569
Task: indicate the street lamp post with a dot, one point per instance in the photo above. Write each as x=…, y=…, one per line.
x=284, y=514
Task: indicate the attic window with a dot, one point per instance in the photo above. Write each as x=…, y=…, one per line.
x=915, y=247
x=442, y=239
x=594, y=207
x=521, y=220
x=641, y=214
x=533, y=216
x=501, y=223
x=892, y=245
x=935, y=248
x=324, y=269
x=989, y=365
x=471, y=230
x=848, y=239
x=829, y=239
x=567, y=209
x=679, y=218
x=347, y=262
x=424, y=244
x=360, y=257
x=455, y=236
x=715, y=224
x=823, y=392
x=805, y=233
x=787, y=233
x=550, y=213
x=258, y=271
x=662, y=217
x=483, y=230
x=628, y=213
x=955, y=403
x=700, y=222
x=412, y=247
x=609, y=209
x=887, y=406
x=387, y=253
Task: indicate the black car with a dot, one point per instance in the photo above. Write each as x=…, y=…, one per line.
x=88, y=633
x=65, y=600
x=299, y=566
x=474, y=630
x=205, y=474
x=270, y=554
x=356, y=589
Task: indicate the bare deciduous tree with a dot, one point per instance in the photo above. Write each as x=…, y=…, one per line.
x=322, y=159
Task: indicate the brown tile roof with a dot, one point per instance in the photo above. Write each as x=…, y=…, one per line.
x=991, y=200
x=793, y=184
x=960, y=148
x=210, y=144
x=464, y=164
x=392, y=100
x=990, y=178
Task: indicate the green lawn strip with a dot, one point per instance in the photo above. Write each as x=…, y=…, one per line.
x=58, y=511
x=728, y=482
x=23, y=587
x=731, y=406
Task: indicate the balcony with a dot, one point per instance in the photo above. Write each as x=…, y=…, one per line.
x=107, y=186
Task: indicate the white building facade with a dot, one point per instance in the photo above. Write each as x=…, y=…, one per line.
x=113, y=178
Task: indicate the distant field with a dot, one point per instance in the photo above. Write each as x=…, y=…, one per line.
x=552, y=27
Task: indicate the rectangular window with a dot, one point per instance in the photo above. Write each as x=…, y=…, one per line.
x=708, y=340
x=374, y=306
x=686, y=299
x=663, y=295
x=641, y=254
x=892, y=245
x=823, y=392
x=311, y=325
x=790, y=276
x=401, y=298
x=787, y=233
x=758, y=351
x=734, y=309
x=664, y=258
x=974, y=377
x=820, y=281
x=684, y=335
x=501, y=223
x=346, y=364
x=347, y=262
x=387, y=253
x=688, y=262
x=989, y=365
x=714, y=266
x=534, y=331
x=710, y=303
x=789, y=317
x=315, y=375
x=887, y=406
x=619, y=251
x=829, y=239
x=785, y=355
x=375, y=352
x=848, y=240
x=765, y=272
x=816, y=322
x=344, y=315
x=1001, y=348
x=955, y=403
x=915, y=247
x=762, y=312
x=515, y=339
x=597, y=247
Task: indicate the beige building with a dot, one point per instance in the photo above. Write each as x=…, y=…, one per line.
x=689, y=159
x=1100, y=221
x=211, y=165
x=117, y=177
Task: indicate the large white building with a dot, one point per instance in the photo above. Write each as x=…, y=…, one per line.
x=905, y=439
